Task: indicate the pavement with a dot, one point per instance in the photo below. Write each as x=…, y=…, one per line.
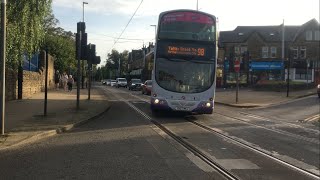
x=248, y=98
x=25, y=122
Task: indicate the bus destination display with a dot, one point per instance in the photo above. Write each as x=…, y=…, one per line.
x=190, y=51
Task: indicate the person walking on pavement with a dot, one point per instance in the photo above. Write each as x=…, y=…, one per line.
x=65, y=81
x=57, y=77
x=70, y=83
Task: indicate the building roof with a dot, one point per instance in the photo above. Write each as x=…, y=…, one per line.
x=268, y=33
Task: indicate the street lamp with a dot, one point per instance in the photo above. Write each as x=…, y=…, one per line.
x=197, y=6
x=83, y=3
x=3, y=63
x=155, y=30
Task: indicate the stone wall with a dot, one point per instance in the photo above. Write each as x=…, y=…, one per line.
x=33, y=82
x=11, y=84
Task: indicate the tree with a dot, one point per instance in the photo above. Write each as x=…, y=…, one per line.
x=113, y=60
x=25, y=28
x=60, y=44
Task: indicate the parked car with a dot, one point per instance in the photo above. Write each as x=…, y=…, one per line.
x=103, y=81
x=146, y=87
x=108, y=82
x=135, y=84
x=113, y=83
x=122, y=82
x=318, y=90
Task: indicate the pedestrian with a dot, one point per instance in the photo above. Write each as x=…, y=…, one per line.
x=57, y=79
x=70, y=83
x=65, y=80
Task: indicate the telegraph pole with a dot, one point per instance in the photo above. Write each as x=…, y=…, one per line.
x=3, y=63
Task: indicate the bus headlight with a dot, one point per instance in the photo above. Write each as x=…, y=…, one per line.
x=156, y=101
x=208, y=104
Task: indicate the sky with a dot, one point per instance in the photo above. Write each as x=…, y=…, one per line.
x=106, y=19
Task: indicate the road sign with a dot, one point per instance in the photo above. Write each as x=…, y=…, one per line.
x=237, y=65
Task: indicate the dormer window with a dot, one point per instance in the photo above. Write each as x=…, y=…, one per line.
x=309, y=35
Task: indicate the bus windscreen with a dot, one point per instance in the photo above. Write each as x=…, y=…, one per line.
x=187, y=26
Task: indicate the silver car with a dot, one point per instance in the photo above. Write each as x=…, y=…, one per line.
x=122, y=82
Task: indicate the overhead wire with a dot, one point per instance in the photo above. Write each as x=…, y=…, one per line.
x=126, y=25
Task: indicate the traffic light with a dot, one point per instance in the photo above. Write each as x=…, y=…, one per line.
x=81, y=31
x=84, y=52
x=81, y=26
x=97, y=60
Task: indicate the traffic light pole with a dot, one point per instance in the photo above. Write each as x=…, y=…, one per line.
x=46, y=85
x=78, y=71
x=89, y=79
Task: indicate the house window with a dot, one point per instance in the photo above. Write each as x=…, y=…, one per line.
x=309, y=35
x=301, y=74
x=236, y=50
x=273, y=52
x=317, y=35
x=295, y=53
x=265, y=52
x=303, y=51
x=243, y=49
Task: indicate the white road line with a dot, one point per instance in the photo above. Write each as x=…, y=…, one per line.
x=313, y=118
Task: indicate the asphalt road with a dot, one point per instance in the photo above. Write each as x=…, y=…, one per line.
x=118, y=145
x=294, y=111
x=124, y=144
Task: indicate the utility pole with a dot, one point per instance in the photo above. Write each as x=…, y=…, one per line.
x=288, y=75
x=119, y=68
x=3, y=63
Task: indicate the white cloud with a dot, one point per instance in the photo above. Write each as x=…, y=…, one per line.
x=231, y=13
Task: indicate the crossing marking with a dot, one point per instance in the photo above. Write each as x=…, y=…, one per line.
x=313, y=118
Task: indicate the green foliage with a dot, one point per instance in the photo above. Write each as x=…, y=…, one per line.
x=25, y=28
x=61, y=45
x=112, y=64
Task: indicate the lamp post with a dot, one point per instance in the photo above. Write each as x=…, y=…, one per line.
x=83, y=3
x=3, y=63
x=197, y=5
x=155, y=30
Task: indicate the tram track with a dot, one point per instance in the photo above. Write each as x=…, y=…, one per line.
x=298, y=137
x=208, y=160
x=255, y=149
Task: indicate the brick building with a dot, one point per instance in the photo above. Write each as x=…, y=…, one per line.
x=259, y=49
x=140, y=63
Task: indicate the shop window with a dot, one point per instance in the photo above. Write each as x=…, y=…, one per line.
x=301, y=74
x=243, y=49
x=317, y=35
x=309, y=35
x=273, y=52
x=265, y=52
x=236, y=50
x=303, y=51
x=295, y=53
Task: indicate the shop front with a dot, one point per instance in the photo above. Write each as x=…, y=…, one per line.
x=265, y=70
